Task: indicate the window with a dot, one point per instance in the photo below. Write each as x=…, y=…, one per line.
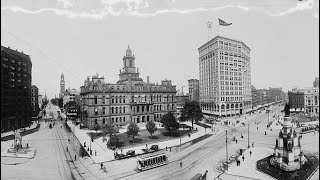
x=103, y=100
x=95, y=100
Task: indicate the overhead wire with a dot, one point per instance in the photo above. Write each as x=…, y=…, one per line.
x=41, y=51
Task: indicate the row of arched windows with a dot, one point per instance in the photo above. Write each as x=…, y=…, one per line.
x=116, y=110
x=223, y=106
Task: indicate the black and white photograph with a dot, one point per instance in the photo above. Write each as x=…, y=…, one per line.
x=160, y=90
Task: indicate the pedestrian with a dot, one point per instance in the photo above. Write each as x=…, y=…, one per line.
x=253, y=144
x=88, y=149
x=67, y=149
x=121, y=151
x=101, y=165
x=257, y=127
x=250, y=153
x=265, y=132
x=95, y=152
x=170, y=149
x=180, y=164
x=242, y=157
x=68, y=140
x=236, y=141
x=27, y=145
x=166, y=148
x=239, y=162
x=75, y=157
x=204, y=176
x=84, y=144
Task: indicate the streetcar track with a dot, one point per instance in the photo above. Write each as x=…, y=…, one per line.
x=79, y=160
x=206, y=150
x=59, y=167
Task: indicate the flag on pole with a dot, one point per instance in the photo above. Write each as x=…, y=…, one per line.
x=223, y=23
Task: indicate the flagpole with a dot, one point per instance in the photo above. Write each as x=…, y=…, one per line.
x=218, y=28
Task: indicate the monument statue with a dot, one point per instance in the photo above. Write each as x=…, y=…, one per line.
x=287, y=110
x=289, y=146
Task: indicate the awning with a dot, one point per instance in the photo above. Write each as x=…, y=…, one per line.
x=302, y=109
x=292, y=110
x=298, y=109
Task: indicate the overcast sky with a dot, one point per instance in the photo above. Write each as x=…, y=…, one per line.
x=81, y=38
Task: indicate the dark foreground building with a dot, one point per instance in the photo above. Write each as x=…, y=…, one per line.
x=16, y=106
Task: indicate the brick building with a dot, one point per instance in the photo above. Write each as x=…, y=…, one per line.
x=16, y=77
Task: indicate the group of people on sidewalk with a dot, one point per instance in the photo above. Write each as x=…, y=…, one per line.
x=238, y=160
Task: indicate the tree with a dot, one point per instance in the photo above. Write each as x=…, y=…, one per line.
x=96, y=127
x=111, y=131
x=60, y=103
x=151, y=127
x=191, y=111
x=44, y=103
x=132, y=130
x=169, y=122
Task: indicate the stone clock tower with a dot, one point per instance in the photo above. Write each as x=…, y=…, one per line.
x=62, y=86
x=129, y=71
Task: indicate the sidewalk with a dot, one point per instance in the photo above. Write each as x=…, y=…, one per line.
x=33, y=125
x=247, y=168
x=104, y=154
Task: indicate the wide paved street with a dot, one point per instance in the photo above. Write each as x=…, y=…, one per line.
x=49, y=161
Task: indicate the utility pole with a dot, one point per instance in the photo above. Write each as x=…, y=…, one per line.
x=180, y=139
x=248, y=136
x=227, y=149
x=205, y=130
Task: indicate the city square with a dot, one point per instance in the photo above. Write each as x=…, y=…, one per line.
x=216, y=90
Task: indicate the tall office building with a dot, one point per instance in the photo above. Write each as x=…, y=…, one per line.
x=15, y=89
x=225, y=77
x=193, y=89
x=35, y=100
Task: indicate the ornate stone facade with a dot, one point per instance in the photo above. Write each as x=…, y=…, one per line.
x=288, y=154
x=129, y=100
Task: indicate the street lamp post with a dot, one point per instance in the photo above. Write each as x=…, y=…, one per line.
x=90, y=146
x=227, y=149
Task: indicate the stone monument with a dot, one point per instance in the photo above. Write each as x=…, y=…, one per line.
x=288, y=154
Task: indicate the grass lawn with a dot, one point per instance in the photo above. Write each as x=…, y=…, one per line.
x=144, y=137
x=303, y=118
